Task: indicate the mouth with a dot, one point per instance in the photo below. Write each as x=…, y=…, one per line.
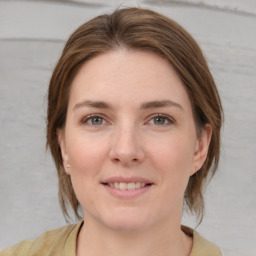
x=127, y=186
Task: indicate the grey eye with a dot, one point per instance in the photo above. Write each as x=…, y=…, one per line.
x=96, y=120
x=159, y=120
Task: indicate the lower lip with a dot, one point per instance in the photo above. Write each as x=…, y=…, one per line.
x=127, y=194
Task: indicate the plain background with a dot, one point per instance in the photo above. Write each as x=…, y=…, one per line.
x=32, y=35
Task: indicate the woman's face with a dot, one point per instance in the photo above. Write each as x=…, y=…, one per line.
x=130, y=140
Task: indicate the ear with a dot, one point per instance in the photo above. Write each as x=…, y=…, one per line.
x=201, y=148
x=62, y=144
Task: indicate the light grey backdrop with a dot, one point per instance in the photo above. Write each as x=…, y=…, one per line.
x=32, y=34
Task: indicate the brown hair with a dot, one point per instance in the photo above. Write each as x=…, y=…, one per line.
x=141, y=29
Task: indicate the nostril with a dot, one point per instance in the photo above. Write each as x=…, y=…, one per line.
x=116, y=160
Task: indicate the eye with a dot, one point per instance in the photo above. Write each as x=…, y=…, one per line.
x=94, y=120
x=161, y=120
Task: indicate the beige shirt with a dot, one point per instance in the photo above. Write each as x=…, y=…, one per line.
x=62, y=241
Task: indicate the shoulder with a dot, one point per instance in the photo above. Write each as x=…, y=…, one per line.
x=202, y=246
x=52, y=242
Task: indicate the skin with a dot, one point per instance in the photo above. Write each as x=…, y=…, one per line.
x=130, y=139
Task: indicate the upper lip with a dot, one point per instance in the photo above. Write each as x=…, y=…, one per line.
x=126, y=180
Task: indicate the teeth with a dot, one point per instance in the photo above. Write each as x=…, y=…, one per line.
x=131, y=186
x=127, y=186
x=122, y=186
x=139, y=185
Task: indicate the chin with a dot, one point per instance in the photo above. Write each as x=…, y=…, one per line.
x=127, y=221
x=126, y=226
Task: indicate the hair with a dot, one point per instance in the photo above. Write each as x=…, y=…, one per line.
x=145, y=30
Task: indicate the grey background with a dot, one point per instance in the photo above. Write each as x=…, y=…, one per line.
x=32, y=34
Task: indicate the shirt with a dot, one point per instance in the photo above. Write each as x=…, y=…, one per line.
x=62, y=241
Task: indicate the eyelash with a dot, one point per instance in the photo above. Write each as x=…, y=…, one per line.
x=90, y=117
x=165, y=117
x=169, y=120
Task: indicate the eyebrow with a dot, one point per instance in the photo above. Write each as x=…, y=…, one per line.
x=160, y=104
x=93, y=104
x=146, y=105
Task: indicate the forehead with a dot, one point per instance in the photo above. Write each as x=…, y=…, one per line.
x=127, y=76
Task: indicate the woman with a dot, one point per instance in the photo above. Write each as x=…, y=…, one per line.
x=134, y=121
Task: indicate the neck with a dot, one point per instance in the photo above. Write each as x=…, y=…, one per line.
x=161, y=240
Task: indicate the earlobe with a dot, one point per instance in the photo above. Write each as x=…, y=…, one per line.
x=62, y=145
x=201, y=148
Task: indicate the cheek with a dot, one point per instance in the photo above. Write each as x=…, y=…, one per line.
x=174, y=153
x=173, y=160
x=85, y=153
x=86, y=158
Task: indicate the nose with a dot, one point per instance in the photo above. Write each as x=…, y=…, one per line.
x=126, y=147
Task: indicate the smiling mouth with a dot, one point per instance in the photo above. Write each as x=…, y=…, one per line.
x=127, y=186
